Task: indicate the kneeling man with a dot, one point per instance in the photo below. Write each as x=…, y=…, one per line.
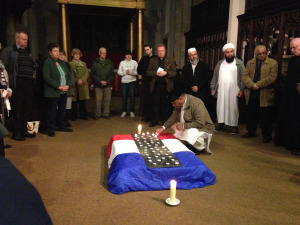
x=190, y=121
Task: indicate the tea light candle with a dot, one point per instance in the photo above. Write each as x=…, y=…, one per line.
x=139, y=129
x=172, y=191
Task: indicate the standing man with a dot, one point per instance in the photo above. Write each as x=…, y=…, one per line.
x=162, y=71
x=195, y=76
x=146, y=103
x=102, y=72
x=21, y=71
x=128, y=71
x=288, y=124
x=227, y=87
x=259, y=78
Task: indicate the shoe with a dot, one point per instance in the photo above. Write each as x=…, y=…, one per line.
x=248, y=135
x=7, y=146
x=153, y=124
x=18, y=137
x=29, y=135
x=220, y=127
x=234, y=130
x=266, y=140
x=106, y=117
x=96, y=117
x=51, y=134
x=123, y=114
x=132, y=114
x=66, y=130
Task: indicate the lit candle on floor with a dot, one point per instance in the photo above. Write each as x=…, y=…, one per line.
x=172, y=191
x=139, y=129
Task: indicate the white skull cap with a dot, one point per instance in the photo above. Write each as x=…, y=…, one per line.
x=228, y=45
x=192, y=50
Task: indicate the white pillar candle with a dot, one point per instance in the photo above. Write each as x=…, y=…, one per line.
x=172, y=191
x=139, y=129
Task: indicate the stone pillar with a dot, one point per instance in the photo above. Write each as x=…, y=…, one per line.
x=237, y=7
x=182, y=25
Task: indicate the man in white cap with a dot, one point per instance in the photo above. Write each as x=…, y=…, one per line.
x=195, y=76
x=227, y=87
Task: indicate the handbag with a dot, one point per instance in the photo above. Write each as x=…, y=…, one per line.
x=33, y=127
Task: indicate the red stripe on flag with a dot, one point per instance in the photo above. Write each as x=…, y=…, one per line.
x=119, y=137
x=163, y=136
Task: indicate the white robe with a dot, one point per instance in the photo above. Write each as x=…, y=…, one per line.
x=227, y=101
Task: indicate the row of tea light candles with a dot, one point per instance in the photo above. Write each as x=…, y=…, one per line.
x=173, y=183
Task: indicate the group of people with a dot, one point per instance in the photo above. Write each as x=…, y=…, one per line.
x=66, y=89
x=230, y=81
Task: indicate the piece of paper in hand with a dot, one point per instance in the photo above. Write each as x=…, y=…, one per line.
x=160, y=69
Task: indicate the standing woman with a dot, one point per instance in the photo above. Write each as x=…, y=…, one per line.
x=81, y=89
x=57, y=80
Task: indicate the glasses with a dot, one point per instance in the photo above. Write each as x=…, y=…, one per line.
x=261, y=53
x=295, y=46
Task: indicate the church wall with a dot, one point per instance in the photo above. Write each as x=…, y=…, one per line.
x=41, y=22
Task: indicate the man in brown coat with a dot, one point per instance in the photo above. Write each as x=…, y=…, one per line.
x=190, y=121
x=259, y=78
x=162, y=71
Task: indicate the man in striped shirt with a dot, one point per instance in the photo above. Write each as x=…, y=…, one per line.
x=20, y=68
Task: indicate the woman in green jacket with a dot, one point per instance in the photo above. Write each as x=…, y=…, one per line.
x=81, y=89
x=57, y=80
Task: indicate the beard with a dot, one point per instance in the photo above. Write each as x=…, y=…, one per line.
x=194, y=62
x=229, y=60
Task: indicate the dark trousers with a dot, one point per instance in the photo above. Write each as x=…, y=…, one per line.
x=21, y=105
x=255, y=114
x=82, y=109
x=56, y=106
x=2, y=150
x=128, y=90
x=146, y=104
x=160, y=103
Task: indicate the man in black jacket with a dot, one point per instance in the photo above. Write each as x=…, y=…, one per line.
x=21, y=72
x=146, y=103
x=195, y=76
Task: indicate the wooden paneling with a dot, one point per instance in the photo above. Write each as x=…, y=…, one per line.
x=208, y=32
x=273, y=24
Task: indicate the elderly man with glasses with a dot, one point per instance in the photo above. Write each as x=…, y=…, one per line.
x=259, y=79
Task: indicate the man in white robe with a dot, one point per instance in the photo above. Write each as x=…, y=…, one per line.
x=227, y=87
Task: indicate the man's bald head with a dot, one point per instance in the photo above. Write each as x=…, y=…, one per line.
x=295, y=46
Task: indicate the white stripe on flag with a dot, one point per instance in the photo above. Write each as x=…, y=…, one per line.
x=129, y=146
